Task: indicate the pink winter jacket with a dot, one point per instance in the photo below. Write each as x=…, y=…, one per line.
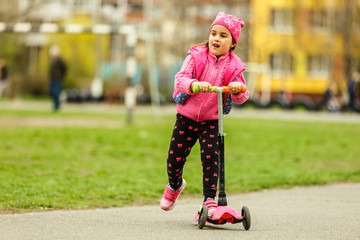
x=218, y=72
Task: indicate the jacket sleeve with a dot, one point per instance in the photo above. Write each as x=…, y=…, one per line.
x=185, y=77
x=240, y=98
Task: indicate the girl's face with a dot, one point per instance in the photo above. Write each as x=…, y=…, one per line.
x=220, y=41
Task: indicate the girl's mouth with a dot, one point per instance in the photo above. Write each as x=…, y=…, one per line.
x=215, y=45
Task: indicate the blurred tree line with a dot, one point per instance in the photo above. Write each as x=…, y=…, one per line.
x=28, y=64
x=30, y=74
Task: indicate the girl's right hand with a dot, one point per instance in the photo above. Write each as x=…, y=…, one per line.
x=204, y=86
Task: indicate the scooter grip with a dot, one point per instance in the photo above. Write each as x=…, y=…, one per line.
x=196, y=89
x=227, y=89
x=243, y=89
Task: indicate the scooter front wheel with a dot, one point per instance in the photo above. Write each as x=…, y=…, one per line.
x=203, y=216
x=245, y=213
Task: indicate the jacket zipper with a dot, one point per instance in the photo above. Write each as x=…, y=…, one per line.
x=202, y=105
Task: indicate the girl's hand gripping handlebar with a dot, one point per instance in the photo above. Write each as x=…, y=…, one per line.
x=225, y=89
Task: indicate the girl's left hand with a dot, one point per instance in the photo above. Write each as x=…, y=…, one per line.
x=235, y=87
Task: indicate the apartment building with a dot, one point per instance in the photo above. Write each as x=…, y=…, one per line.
x=301, y=47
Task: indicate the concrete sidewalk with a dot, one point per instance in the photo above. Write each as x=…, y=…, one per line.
x=318, y=212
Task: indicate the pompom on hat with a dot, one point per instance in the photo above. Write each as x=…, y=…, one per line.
x=232, y=23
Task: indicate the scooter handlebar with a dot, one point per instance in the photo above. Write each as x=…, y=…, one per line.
x=225, y=89
x=196, y=89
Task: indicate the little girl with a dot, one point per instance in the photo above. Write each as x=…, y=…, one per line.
x=211, y=64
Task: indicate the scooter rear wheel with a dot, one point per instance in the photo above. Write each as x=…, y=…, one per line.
x=203, y=217
x=245, y=213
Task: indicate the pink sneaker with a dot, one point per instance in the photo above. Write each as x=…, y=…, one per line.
x=212, y=205
x=169, y=197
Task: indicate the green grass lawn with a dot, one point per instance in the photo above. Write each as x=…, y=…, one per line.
x=78, y=167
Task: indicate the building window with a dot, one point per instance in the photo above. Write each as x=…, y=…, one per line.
x=281, y=64
x=282, y=20
x=319, y=20
x=135, y=8
x=319, y=66
x=357, y=20
x=82, y=4
x=23, y=4
x=113, y=3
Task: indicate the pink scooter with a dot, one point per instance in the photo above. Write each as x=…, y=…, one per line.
x=223, y=214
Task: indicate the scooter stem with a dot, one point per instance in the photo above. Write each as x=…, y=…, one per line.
x=222, y=195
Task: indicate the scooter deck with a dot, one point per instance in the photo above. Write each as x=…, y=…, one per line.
x=222, y=215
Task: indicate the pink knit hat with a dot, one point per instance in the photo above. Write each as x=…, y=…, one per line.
x=232, y=23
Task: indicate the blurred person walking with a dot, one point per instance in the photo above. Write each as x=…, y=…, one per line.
x=57, y=72
x=353, y=91
x=210, y=64
x=3, y=76
x=331, y=100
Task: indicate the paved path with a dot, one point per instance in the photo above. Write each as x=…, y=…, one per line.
x=318, y=212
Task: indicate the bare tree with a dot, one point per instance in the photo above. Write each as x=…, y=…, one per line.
x=348, y=29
